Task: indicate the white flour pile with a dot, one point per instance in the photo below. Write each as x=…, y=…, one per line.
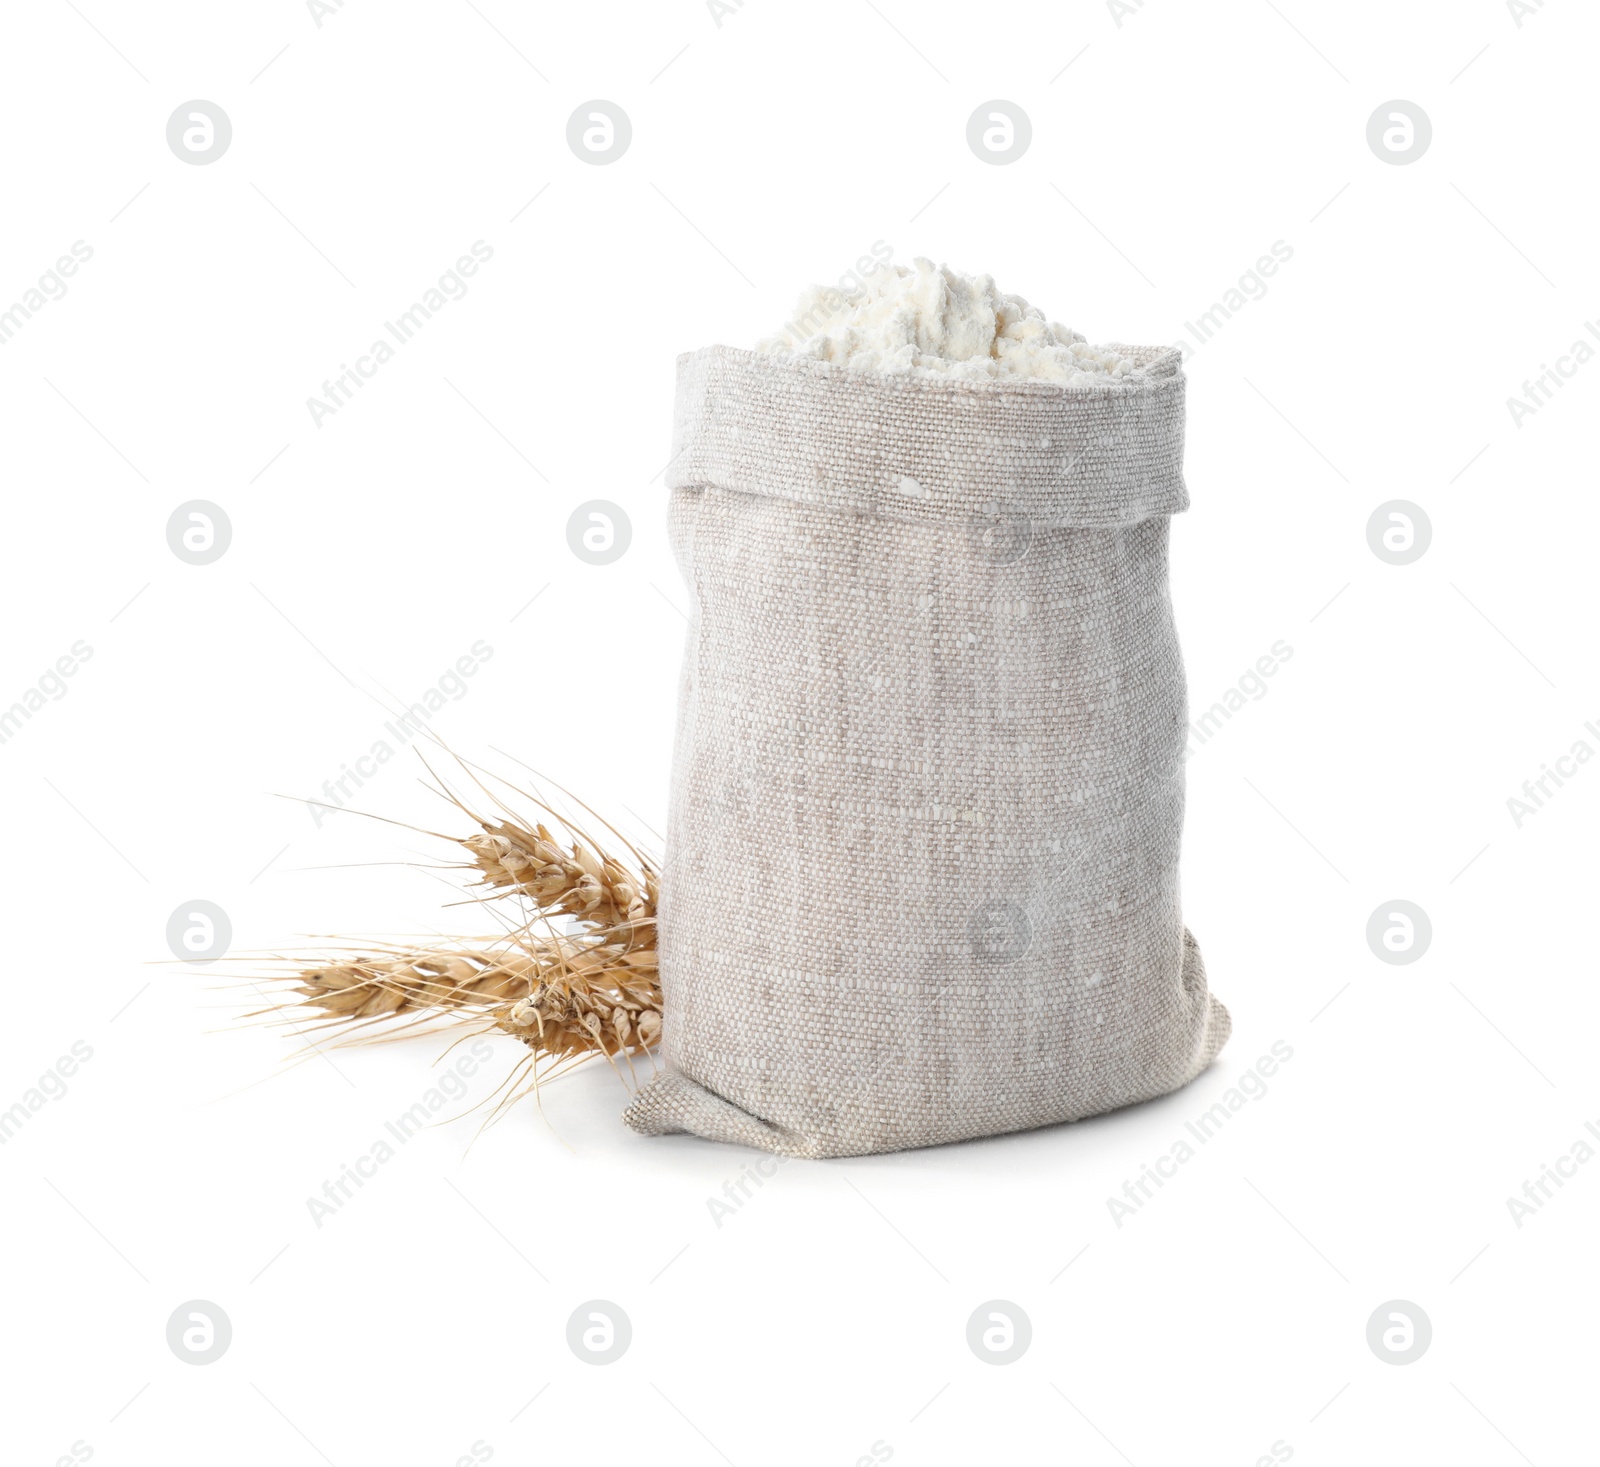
x=932, y=321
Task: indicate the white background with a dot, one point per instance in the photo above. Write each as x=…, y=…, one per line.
x=829, y=1314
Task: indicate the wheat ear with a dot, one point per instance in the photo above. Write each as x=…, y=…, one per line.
x=574, y=976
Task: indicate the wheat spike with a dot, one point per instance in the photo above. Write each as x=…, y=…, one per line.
x=573, y=978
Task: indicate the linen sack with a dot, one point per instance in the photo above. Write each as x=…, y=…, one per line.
x=921, y=876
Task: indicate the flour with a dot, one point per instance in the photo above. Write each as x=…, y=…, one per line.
x=934, y=322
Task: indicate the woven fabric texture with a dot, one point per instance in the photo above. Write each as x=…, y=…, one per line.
x=921, y=878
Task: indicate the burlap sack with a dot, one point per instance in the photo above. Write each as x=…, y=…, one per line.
x=921, y=878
